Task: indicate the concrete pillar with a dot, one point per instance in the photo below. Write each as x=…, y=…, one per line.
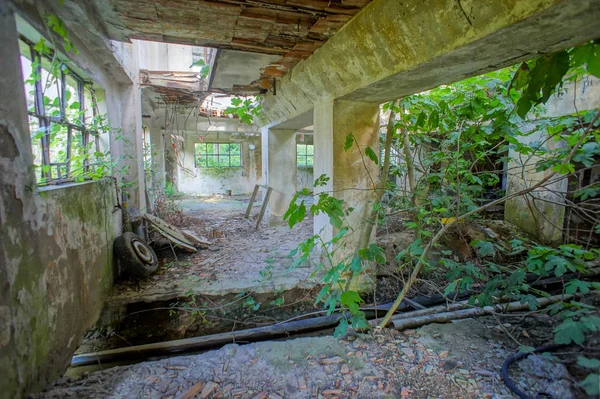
x=353, y=175
x=323, y=160
x=124, y=106
x=157, y=141
x=279, y=169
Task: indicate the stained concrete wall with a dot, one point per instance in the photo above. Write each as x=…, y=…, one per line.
x=305, y=179
x=56, y=242
x=542, y=214
x=396, y=48
x=208, y=181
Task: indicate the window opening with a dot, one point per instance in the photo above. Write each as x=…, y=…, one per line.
x=217, y=155
x=304, y=155
x=64, y=121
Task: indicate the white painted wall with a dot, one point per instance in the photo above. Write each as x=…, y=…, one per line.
x=202, y=181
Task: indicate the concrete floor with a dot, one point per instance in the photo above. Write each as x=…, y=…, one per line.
x=238, y=255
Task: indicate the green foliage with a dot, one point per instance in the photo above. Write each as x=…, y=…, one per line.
x=246, y=109
x=204, y=70
x=335, y=294
x=371, y=154
x=251, y=303
x=591, y=384
x=539, y=79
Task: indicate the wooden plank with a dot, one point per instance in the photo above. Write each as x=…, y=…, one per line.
x=251, y=204
x=190, y=234
x=170, y=232
x=263, y=208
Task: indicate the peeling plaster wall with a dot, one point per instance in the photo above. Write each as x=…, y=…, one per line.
x=55, y=245
x=218, y=181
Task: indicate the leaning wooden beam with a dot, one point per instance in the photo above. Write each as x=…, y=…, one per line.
x=263, y=208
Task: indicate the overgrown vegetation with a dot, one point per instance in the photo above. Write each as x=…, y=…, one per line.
x=452, y=144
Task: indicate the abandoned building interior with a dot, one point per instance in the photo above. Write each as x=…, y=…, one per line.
x=299, y=199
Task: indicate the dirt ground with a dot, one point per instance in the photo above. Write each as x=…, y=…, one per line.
x=455, y=360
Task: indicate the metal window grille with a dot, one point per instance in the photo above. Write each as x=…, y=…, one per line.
x=217, y=155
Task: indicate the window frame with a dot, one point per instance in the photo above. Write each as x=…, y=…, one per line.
x=45, y=121
x=305, y=156
x=218, y=155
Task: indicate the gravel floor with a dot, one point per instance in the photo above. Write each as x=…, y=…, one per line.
x=412, y=364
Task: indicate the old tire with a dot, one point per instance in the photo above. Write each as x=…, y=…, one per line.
x=134, y=257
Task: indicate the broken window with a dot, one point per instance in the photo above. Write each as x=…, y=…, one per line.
x=304, y=155
x=217, y=155
x=63, y=117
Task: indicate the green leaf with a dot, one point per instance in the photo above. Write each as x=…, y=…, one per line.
x=321, y=181
x=526, y=349
x=588, y=363
x=434, y=120
x=571, y=287
x=199, y=62
x=569, y=331
x=341, y=329
x=484, y=248
x=591, y=384
x=421, y=120
x=356, y=265
x=559, y=66
x=450, y=288
x=349, y=142
x=371, y=154
x=520, y=77
x=351, y=299
x=564, y=168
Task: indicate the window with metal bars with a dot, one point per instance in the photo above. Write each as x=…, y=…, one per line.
x=217, y=155
x=64, y=120
x=304, y=155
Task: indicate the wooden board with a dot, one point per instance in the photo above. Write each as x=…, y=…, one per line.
x=170, y=232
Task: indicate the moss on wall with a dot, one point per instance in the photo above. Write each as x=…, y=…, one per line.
x=62, y=272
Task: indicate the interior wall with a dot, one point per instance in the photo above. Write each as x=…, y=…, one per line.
x=56, y=244
x=209, y=181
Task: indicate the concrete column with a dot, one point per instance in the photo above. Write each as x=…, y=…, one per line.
x=279, y=169
x=323, y=160
x=353, y=175
x=158, y=159
x=128, y=147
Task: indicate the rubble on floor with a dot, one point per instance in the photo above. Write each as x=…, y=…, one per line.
x=455, y=360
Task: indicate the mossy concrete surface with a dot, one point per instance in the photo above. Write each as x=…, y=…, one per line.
x=55, y=247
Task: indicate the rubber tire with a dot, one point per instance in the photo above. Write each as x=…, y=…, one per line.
x=134, y=257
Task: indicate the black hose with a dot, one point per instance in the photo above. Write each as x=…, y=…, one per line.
x=518, y=356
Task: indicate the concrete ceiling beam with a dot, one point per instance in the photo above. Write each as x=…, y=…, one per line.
x=396, y=48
